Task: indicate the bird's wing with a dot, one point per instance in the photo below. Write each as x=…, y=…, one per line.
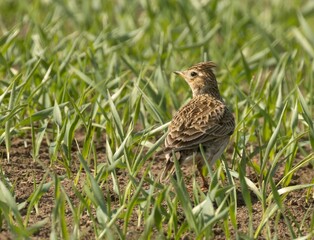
x=202, y=120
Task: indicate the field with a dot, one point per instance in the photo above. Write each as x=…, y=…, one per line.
x=87, y=91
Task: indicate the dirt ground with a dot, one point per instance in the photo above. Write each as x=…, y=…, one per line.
x=23, y=172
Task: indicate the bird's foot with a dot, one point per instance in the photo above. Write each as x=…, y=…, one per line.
x=205, y=187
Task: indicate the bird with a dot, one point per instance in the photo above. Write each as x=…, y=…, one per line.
x=205, y=120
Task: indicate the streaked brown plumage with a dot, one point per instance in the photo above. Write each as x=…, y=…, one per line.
x=205, y=120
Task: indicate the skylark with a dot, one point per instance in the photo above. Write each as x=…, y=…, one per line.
x=205, y=121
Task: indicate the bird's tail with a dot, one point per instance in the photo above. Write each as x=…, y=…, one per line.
x=167, y=172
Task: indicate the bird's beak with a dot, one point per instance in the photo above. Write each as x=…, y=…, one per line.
x=179, y=73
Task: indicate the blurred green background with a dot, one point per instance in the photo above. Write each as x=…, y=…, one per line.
x=106, y=67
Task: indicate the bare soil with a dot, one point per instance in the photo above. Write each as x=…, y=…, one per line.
x=23, y=173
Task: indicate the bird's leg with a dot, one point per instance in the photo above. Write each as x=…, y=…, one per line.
x=205, y=183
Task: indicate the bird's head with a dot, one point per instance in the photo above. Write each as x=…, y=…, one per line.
x=201, y=78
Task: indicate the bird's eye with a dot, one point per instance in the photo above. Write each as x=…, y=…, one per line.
x=193, y=74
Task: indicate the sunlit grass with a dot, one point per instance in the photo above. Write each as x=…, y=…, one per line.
x=106, y=70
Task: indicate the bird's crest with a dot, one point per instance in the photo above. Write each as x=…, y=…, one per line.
x=204, y=66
